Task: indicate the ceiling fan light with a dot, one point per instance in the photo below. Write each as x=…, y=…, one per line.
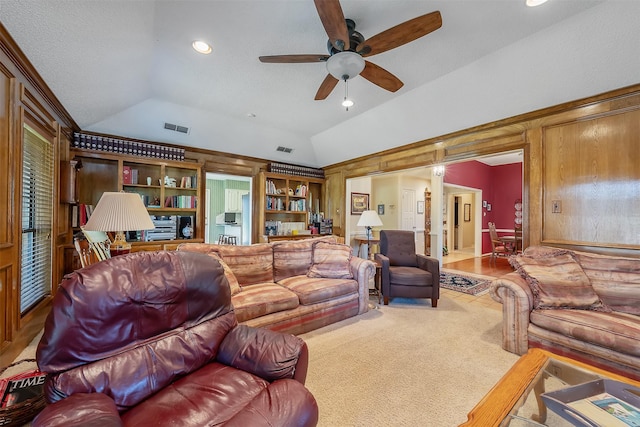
x=347, y=103
x=201, y=47
x=534, y=3
x=345, y=65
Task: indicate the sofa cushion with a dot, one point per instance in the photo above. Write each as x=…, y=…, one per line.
x=262, y=298
x=215, y=392
x=331, y=260
x=311, y=290
x=250, y=264
x=231, y=278
x=410, y=276
x=294, y=257
x=612, y=330
x=616, y=280
x=557, y=281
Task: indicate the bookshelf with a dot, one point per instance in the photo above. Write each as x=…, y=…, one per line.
x=287, y=199
x=171, y=191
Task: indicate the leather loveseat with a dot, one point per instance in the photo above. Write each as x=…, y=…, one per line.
x=576, y=304
x=293, y=286
x=151, y=338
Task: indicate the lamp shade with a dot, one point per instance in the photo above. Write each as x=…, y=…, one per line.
x=369, y=219
x=119, y=212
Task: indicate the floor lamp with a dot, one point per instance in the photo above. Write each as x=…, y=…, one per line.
x=119, y=212
x=369, y=219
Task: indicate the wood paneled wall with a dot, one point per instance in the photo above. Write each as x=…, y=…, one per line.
x=583, y=154
x=25, y=98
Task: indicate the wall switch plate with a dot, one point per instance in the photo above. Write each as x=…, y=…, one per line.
x=556, y=206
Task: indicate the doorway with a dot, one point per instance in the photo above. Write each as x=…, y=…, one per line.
x=228, y=208
x=463, y=238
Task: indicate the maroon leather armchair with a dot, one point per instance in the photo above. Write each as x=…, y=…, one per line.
x=150, y=338
x=405, y=273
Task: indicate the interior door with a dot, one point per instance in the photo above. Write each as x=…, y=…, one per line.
x=408, y=215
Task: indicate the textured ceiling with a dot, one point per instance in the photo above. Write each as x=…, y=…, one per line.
x=126, y=67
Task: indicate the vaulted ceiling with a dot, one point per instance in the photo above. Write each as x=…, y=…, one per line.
x=127, y=67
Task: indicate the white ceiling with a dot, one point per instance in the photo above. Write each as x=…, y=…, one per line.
x=126, y=67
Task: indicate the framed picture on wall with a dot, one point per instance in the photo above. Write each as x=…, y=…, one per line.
x=380, y=209
x=420, y=206
x=359, y=203
x=467, y=212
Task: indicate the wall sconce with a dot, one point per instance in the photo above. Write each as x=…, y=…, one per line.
x=438, y=170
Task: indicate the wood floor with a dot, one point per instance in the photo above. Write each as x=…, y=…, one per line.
x=480, y=265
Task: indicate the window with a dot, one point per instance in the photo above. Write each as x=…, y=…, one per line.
x=36, y=217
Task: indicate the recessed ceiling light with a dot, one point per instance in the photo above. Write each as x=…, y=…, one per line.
x=533, y=3
x=201, y=47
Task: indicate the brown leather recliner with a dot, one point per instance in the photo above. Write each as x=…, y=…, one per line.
x=405, y=273
x=150, y=338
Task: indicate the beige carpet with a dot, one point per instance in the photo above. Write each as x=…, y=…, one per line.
x=406, y=364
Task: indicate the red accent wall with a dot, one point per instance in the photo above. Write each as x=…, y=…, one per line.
x=501, y=186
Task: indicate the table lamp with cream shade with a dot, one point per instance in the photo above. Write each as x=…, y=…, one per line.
x=368, y=220
x=119, y=212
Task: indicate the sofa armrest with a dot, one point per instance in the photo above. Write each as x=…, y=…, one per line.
x=513, y=292
x=268, y=354
x=80, y=409
x=432, y=265
x=364, y=272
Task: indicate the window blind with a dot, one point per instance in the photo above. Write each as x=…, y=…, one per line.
x=36, y=219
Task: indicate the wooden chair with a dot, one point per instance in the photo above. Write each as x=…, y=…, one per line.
x=99, y=243
x=87, y=257
x=225, y=239
x=498, y=247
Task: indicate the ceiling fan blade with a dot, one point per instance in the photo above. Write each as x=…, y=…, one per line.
x=326, y=87
x=287, y=59
x=381, y=77
x=332, y=18
x=401, y=34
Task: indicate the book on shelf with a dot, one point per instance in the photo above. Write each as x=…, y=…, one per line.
x=275, y=203
x=182, y=202
x=126, y=174
x=83, y=213
x=189, y=182
x=271, y=187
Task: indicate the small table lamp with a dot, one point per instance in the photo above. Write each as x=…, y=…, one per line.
x=369, y=219
x=119, y=212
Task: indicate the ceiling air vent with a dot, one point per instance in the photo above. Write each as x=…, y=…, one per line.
x=176, y=128
x=284, y=149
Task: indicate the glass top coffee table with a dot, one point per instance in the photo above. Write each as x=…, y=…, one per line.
x=515, y=400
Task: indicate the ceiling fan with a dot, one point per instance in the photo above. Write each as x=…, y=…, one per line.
x=348, y=48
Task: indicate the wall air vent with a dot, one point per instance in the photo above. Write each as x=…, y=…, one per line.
x=284, y=149
x=176, y=128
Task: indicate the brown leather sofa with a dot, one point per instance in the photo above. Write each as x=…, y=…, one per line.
x=151, y=338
